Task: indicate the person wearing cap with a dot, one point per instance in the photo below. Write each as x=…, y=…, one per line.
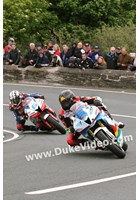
x=13, y=56
x=30, y=57
x=87, y=48
x=7, y=48
x=42, y=60
x=118, y=51
x=95, y=54
x=39, y=47
x=111, y=59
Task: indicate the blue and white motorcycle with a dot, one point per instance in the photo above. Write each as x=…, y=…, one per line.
x=95, y=125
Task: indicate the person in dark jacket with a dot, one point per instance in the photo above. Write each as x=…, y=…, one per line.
x=95, y=54
x=86, y=62
x=42, y=60
x=13, y=57
x=111, y=59
x=30, y=57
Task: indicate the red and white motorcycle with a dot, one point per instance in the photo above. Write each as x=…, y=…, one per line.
x=42, y=115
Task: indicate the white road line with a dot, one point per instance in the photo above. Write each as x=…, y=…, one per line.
x=66, y=187
x=126, y=116
x=73, y=88
x=15, y=135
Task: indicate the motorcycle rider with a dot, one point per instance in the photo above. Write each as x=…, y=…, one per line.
x=67, y=98
x=16, y=107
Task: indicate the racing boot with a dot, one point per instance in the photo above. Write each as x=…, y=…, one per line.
x=119, y=124
x=30, y=128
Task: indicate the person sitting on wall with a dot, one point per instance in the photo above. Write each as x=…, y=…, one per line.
x=30, y=57
x=7, y=48
x=56, y=60
x=13, y=57
x=42, y=60
x=86, y=62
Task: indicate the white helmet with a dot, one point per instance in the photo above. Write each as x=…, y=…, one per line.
x=15, y=97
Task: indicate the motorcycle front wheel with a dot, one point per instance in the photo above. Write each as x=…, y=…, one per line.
x=56, y=125
x=111, y=146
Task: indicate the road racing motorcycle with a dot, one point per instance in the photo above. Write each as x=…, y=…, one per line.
x=42, y=115
x=95, y=125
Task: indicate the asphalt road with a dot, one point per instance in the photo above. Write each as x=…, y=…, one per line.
x=22, y=176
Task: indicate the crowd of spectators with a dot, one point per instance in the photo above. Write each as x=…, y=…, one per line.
x=78, y=55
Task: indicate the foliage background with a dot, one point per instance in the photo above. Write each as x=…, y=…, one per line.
x=104, y=22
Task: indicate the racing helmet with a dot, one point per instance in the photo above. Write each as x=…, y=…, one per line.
x=66, y=99
x=15, y=97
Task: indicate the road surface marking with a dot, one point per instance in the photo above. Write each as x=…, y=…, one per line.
x=65, y=87
x=15, y=135
x=127, y=116
x=66, y=187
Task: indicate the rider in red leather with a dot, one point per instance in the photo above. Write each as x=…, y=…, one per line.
x=67, y=98
x=16, y=107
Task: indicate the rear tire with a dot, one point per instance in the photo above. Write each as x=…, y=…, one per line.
x=56, y=125
x=112, y=147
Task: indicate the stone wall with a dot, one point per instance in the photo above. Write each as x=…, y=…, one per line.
x=68, y=76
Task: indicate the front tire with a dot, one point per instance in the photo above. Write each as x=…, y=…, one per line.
x=112, y=147
x=125, y=146
x=56, y=125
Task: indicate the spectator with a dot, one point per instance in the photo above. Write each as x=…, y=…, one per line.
x=13, y=57
x=64, y=55
x=42, y=60
x=79, y=50
x=132, y=66
x=100, y=64
x=85, y=62
x=71, y=51
x=95, y=54
x=111, y=59
x=50, y=46
x=118, y=51
x=39, y=47
x=56, y=48
x=87, y=48
x=46, y=52
x=7, y=48
x=124, y=60
x=73, y=61
x=30, y=57
x=56, y=60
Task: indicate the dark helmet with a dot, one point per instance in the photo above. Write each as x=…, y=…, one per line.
x=66, y=99
x=15, y=97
